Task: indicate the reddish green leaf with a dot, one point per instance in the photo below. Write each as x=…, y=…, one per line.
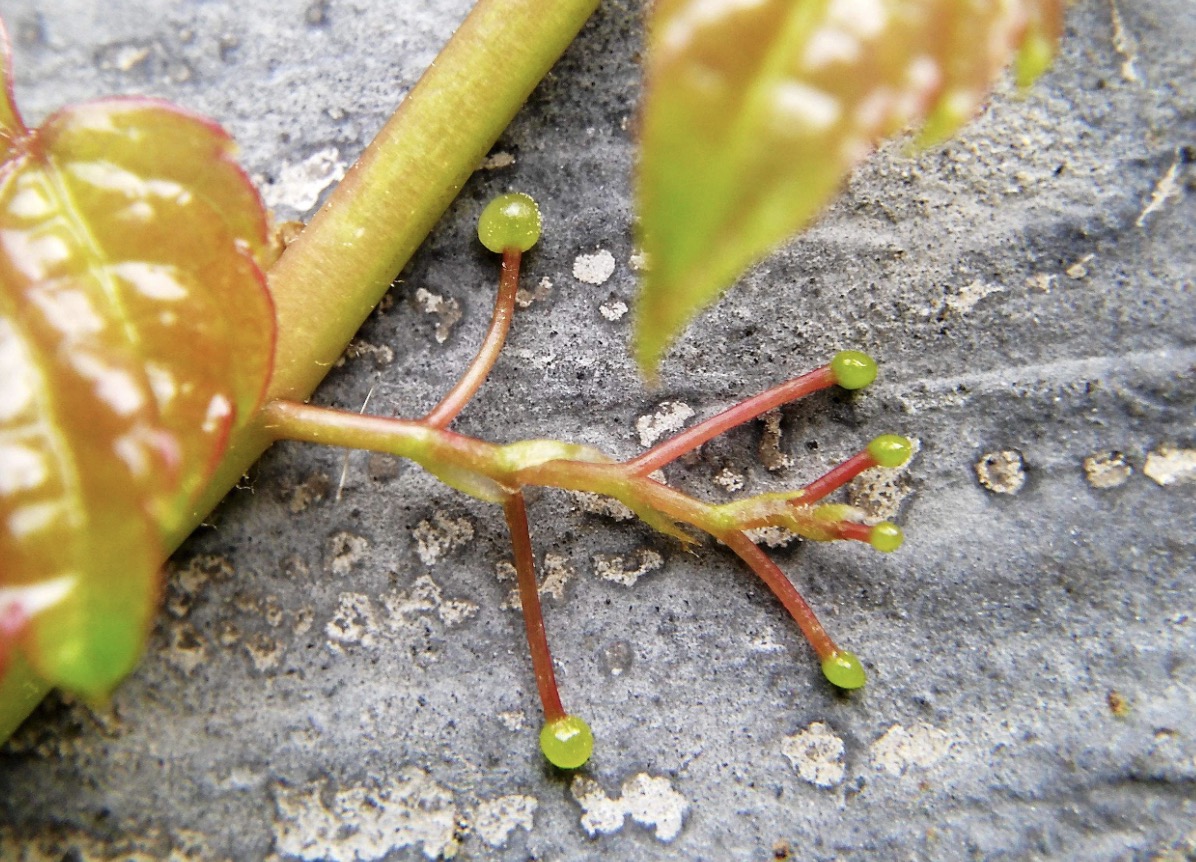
x=135, y=333
x=756, y=109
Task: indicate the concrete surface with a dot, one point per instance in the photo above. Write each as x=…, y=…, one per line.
x=337, y=674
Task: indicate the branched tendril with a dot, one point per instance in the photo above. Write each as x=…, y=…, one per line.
x=510, y=225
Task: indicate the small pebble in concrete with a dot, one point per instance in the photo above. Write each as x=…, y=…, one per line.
x=1107, y=469
x=1002, y=472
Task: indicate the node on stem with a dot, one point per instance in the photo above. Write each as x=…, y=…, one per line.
x=510, y=221
x=567, y=742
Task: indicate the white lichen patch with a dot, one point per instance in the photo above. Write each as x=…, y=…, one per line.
x=447, y=310
x=299, y=185
x=557, y=574
x=596, y=504
x=1001, y=472
x=627, y=570
x=594, y=268
x=901, y=749
x=426, y=597
x=649, y=800
x=1169, y=465
x=614, y=310
x=965, y=299
x=359, y=824
x=1107, y=469
x=495, y=819
x=879, y=492
x=669, y=417
x=354, y=622
x=437, y=537
x=524, y=298
x=817, y=755
x=344, y=550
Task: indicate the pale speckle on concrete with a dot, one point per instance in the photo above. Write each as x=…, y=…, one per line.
x=817, y=755
x=669, y=417
x=627, y=570
x=1168, y=465
x=495, y=819
x=969, y=295
x=614, y=310
x=264, y=651
x=1079, y=269
x=426, y=597
x=543, y=289
x=638, y=261
x=770, y=452
x=359, y=824
x=1041, y=282
x=649, y=800
x=381, y=354
x=1107, y=469
x=920, y=746
x=596, y=504
x=880, y=492
x=353, y=623
x=186, y=650
x=1166, y=188
x=513, y=720
x=772, y=537
x=1001, y=472
x=299, y=185
x=557, y=574
x=729, y=480
x=447, y=310
x=494, y=161
x=439, y=536
x=594, y=268
x=344, y=550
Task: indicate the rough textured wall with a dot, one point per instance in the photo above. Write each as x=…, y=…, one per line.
x=337, y=672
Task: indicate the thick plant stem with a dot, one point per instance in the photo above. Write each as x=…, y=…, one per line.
x=471, y=381
x=529, y=597
x=745, y=411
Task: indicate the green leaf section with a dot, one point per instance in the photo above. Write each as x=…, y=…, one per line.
x=136, y=333
x=755, y=110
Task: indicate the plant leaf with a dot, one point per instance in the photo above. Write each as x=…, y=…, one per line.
x=135, y=333
x=755, y=110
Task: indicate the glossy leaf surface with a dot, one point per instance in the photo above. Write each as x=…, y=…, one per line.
x=755, y=110
x=135, y=332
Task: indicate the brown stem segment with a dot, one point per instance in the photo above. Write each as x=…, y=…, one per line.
x=673, y=448
x=496, y=336
x=529, y=597
x=784, y=590
x=836, y=478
